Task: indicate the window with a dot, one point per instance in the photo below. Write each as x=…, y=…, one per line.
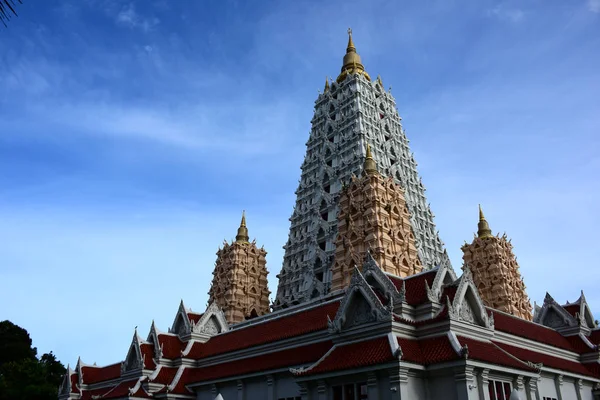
x=499, y=390
x=350, y=391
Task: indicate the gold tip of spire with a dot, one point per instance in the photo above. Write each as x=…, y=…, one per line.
x=483, y=230
x=352, y=63
x=326, y=84
x=370, y=166
x=242, y=233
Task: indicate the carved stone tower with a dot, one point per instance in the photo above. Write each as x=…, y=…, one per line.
x=351, y=112
x=239, y=283
x=496, y=272
x=373, y=216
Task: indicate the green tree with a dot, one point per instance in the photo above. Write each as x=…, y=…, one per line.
x=22, y=375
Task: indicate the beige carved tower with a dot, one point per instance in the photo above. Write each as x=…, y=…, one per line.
x=496, y=272
x=373, y=216
x=239, y=283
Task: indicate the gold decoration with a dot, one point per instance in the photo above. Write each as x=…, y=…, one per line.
x=242, y=233
x=370, y=167
x=352, y=62
x=484, y=230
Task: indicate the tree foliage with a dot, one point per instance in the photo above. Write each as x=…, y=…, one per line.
x=22, y=375
x=7, y=9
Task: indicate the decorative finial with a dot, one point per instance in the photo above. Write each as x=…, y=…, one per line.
x=370, y=167
x=484, y=230
x=352, y=61
x=242, y=233
x=326, y=84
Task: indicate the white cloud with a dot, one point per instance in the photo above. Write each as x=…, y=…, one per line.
x=594, y=6
x=129, y=17
x=507, y=14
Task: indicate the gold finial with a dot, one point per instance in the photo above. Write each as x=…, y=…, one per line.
x=242, y=233
x=369, y=167
x=352, y=61
x=350, y=42
x=483, y=230
x=326, y=84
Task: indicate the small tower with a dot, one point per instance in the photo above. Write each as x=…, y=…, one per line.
x=239, y=283
x=496, y=272
x=373, y=216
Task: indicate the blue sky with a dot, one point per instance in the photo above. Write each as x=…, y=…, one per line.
x=134, y=133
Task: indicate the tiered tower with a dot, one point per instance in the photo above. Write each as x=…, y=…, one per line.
x=351, y=112
x=373, y=217
x=496, y=272
x=239, y=283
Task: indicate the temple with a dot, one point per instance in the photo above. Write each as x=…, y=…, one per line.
x=368, y=305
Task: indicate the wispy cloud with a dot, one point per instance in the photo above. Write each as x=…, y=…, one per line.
x=507, y=13
x=130, y=18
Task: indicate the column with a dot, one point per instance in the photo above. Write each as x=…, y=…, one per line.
x=322, y=390
x=558, y=382
x=532, y=391
x=304, y=392
x=240, y=390
x=579, y=389
x=372, y=386
x=483, y=382
x=395, y=384
x=270, y=387
x=518, y=383
x=466, y=389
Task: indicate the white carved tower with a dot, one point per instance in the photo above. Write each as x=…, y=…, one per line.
x=353, y=111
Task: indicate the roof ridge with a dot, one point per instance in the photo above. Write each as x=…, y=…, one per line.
x=274, y=318
x=523, y=320
x=413, y=275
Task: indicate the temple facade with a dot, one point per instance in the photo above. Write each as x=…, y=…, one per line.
x=368, y=305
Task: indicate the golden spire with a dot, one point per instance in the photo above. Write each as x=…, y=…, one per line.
x=484, y=230
x=370, y=167
x=352, y=61
x=326, y=84
x=242, y=233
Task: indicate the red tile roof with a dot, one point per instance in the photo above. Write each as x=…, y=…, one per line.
x=172, y=346
x=93, y=374
x=194, y=317
x=530, y=330
x=595, y=336
x=572, y=308
x=285, y=327
x=354, y=355
x=74, y=383
x=165, y=375
x=88, y=394
x=120, y=390
x=548, y=361
x=148, y=355
x=281, y=359
x=489, y=352
x=141, y=393
x=415, y=286
x=427, y=351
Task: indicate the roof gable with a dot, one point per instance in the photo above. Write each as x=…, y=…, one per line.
x=181, y=324
x=465, y=304
x=360, y=306
x=580, y=310
x=211, y=323
x=379, y=280
x=553, y=315
x=134, y=359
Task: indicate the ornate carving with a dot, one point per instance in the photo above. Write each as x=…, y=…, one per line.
x=336, y=147
x=347, y=310
x=496, y=272
x=239, y=283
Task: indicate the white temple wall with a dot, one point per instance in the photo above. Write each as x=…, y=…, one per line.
x=586, y=391
x=568, y=389
x=416, y=388
x=547, y=388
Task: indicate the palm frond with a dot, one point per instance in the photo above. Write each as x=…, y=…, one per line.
x=7, y=10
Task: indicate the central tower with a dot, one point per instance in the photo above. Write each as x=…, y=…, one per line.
x=352, y=112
